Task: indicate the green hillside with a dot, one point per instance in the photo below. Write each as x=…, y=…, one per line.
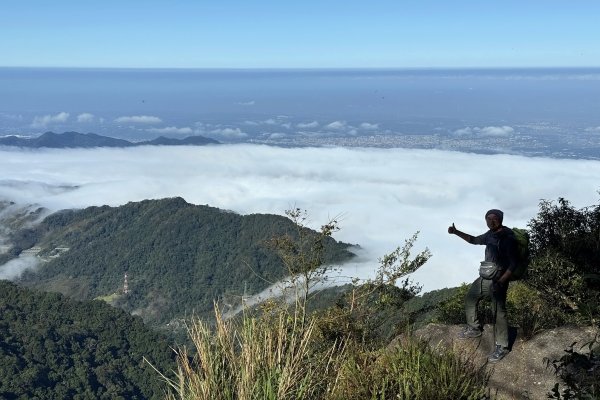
x=52, y=347
x=179, y=257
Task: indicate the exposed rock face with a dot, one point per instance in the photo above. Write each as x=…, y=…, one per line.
x=522, y=374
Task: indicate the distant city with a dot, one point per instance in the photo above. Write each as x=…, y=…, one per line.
x=528, y=142
x=532, y=140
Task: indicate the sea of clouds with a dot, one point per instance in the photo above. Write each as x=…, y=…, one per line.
x=379, y=196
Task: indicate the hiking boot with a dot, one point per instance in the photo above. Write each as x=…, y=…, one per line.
x=498, y=354
x=470, y=333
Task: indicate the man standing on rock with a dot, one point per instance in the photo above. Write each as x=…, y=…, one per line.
x=495, y=274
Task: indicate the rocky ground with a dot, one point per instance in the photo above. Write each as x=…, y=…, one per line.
x=522, y=374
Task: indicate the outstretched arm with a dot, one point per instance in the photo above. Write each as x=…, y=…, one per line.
x=464, y=236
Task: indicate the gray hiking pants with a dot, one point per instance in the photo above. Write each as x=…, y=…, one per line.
x=483, y=288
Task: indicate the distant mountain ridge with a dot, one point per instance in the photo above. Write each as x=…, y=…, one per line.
x=87, y=140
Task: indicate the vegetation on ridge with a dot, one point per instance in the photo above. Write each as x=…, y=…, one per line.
x=52, y=347
x=179, y=257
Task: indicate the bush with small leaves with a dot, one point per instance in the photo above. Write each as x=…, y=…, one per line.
x=529, y=310
x=565, y=255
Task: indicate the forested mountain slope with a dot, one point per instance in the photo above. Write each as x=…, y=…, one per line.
x=178, y=257
x=52, y=347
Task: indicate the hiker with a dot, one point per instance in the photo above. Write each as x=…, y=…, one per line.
x=495, y=274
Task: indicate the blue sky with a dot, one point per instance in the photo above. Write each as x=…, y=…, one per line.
x=299, y=34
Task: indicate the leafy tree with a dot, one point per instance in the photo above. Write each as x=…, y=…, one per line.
x=565, y=250
x=372, y=311
x=303, y=255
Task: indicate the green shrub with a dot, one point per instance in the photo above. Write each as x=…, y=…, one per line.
x=369, y=314
x=565, y=249
x=410, y=370
x=423, y=309
x=529, y=310
x=452, y=311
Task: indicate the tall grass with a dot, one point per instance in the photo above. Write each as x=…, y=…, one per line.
x=276, y=356
x=257, y=358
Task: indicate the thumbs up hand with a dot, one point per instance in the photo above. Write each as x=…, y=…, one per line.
x=452, y=229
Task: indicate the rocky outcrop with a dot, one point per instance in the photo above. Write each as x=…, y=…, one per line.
x=522, y=374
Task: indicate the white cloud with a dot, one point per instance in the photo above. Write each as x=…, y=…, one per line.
x=496, y=131
x=463, y=132
x=593, y=129
x=138, y=119
x=382, y=195
x=369, y=127
x=233, y=133
x=278, y=121
x=15, y=268
x=246, y=103
x=172, y=130
x=336, y=125
x=485, y=131
x=85, y=118
x=277, y=135
x=44, y=121
x=305, y=125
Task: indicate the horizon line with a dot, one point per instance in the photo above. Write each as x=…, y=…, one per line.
x=439, y=68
